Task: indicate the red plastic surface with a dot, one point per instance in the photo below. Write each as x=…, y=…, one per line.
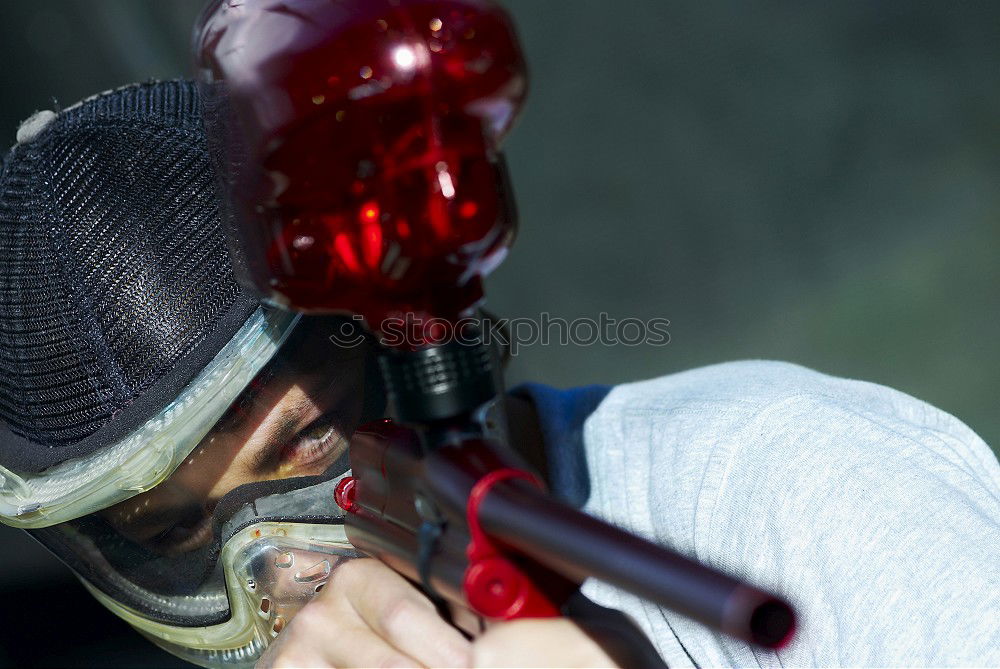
x=345, y=493
x=494, y=587
x=360, y=140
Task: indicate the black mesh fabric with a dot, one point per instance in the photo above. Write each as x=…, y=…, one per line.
x=115, y=283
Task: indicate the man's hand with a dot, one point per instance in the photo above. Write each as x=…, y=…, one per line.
x=549, y=642
x=370, y=616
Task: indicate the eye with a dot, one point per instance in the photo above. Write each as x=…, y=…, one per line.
x=317, y=444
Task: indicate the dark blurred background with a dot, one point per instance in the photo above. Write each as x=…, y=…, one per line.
x=808, y=181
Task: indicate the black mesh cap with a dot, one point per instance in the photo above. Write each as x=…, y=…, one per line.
x=115, y=283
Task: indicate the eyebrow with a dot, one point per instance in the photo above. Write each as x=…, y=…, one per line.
x=277, y=436
x=282, y=429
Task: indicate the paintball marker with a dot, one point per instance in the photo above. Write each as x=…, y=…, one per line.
x=361, y=141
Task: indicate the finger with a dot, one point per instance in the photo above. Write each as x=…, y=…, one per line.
x=549, y=642
x=466, y=620
x=357, y=647
x=284, y=652
x=361, y=647
x=400, y=614
x=320, y=635
x=296, y=645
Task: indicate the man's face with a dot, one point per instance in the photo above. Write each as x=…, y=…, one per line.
x=292, y=427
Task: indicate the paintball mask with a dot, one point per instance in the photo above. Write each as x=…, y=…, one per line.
x=167, y=437
x=172, y=440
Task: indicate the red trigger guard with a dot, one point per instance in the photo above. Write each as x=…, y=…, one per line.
x=494, y=587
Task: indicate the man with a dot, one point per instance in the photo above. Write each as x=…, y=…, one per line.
x=177, y=445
